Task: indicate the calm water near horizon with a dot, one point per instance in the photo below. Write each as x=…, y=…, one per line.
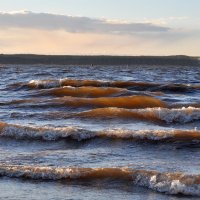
x=85, y=132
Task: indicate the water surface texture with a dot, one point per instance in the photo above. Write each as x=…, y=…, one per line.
x=79, y=132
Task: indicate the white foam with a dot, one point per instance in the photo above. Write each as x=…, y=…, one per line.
x=181, y=115
x=166, y=183
x=45, y=133
x=45, y=83
x=154, y=135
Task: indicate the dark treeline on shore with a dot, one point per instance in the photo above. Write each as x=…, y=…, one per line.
x=97, y=60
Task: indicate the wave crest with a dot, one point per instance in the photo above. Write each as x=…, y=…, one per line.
x=44, y=133
x=95, y=83
x=172, y=87
x=170, y=183
x=182, y=115
x=51, y=133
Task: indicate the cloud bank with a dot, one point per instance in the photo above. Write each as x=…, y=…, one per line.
x=44, y=33
x=73, y=24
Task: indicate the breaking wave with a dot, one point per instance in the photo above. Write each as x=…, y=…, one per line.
x=44, y=133
x=182, y=115
x=51, y=133
x=169, y=183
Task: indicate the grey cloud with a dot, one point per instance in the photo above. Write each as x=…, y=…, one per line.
x=73, y=24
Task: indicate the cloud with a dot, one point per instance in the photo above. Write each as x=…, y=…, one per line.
x=73, y=24
x=166, y=21
x=44, y=33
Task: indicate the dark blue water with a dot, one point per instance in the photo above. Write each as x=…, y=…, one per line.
x=144, y=118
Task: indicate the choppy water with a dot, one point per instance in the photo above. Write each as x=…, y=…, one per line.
x=79, y=132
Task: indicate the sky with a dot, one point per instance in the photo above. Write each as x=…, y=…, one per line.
x=103, y=27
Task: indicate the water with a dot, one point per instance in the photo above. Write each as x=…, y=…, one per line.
x=79, y=132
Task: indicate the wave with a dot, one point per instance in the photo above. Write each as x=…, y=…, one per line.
x=83, y=91
x=170, y=183
x=51, y=133
x=120, y=102
x=154, y=115
x=44, y=133
x=78, y=83
x=182, y=115
x=164, y=87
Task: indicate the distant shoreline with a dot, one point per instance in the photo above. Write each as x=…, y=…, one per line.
x=98, y=60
